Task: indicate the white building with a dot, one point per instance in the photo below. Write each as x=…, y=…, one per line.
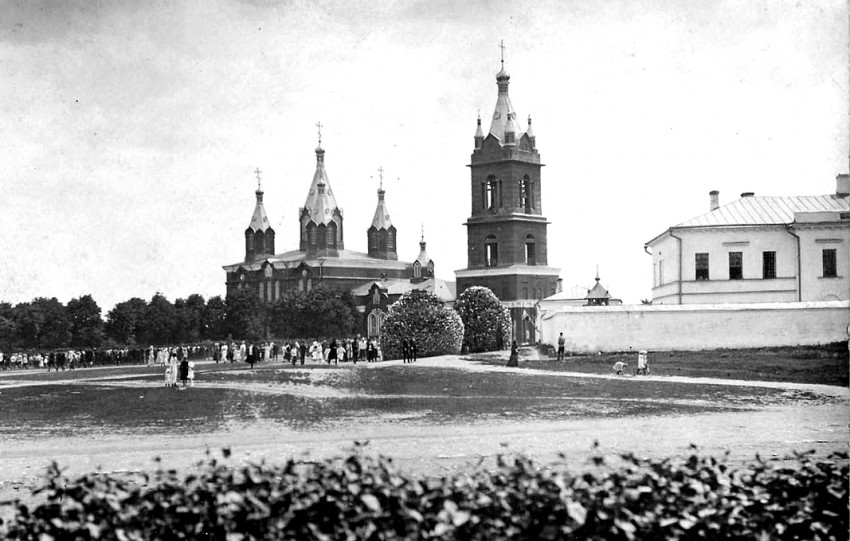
x=757, y=249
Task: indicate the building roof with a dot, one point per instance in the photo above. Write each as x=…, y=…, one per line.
x=321, y=202
x=504, y=113
x=598, y=292
x=767, y=210
x=347, y=258
x=381, y=219
x=259, y=220
x=423, y=258
x=445, y=291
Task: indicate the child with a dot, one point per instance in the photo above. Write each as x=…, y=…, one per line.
x=619, y=366
x=191, y=374
x=167, y=376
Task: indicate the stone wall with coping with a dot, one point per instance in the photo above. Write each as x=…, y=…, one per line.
x=694, y=327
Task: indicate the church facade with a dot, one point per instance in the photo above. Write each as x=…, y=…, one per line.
x=376, y=278
x=506, y=231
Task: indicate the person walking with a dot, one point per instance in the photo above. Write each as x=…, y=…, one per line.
x=514, y=359
x=414, y=350
x=561, y=342
x=405, y=350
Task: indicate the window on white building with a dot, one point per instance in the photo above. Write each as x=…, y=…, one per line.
x=701, y=266
x=768, y=265
x=736, y=265
x=830, y=263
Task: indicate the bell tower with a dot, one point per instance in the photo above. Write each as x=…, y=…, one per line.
x=321, y=218
x=506, y=231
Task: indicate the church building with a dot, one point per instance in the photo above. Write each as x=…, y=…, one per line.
x=506, y=233
x=376, y=278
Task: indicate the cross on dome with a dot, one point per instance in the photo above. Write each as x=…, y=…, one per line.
x=319, y=128
x=502, y=47
x=257, y=172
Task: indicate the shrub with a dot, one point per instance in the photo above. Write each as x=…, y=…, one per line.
x=422, y=316
x=360, y=497
x=486, y=323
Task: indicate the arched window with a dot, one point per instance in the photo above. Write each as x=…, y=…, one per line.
x=375, y=321
x=526, y=194
x=322, y=237
x=260, y=241
x=417, y=269
x=491, y=193
x=311, y=234
x=331, y=234
x=491, y=251
x=249, y=241
x=382, y=241
x=530, y=256
x=391, y=239
x=373, y=240
x=431, y=269
x=376, y=296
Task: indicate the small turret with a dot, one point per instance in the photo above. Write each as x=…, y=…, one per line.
x=423, y=267
x=530, y=134
x=259, y=237
x=479, y=135
x=381, y=235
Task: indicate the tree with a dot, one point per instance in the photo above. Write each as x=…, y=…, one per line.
x=245, y=315
x=321, y=312
x=42, y=323
x=86, y=322
x=213, y=319
x=189, y=318
x=486, y=323
x=437, y=329
x=159, y=321
x=8, y=326
x=125, y=319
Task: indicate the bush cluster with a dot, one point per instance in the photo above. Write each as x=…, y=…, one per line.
x=361, y=497
x=486, y=323
x=437, y=329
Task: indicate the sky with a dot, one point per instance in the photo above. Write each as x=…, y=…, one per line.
x=131, y=130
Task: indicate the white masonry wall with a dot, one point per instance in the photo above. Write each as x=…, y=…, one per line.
x=695, y=327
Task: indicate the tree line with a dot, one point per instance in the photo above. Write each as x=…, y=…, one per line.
x=47, y=323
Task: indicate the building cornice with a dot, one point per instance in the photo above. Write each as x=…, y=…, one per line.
x=508, y=271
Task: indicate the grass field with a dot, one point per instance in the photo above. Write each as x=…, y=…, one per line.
x=132, y=400
x=826, y=365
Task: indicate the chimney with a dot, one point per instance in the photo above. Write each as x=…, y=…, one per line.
x=747, y=194
x=842, y=185
x=715, y=199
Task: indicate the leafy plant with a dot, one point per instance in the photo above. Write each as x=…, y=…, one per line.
x=363, y=497
x=486, y=323
x=422, y=316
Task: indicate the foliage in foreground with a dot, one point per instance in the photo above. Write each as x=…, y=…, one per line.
x=486, y=323
x=360, y=497
x=422, y=316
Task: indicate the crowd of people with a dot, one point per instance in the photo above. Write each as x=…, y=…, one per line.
x=179, y=359
x=71, y=359
x=360, y=349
